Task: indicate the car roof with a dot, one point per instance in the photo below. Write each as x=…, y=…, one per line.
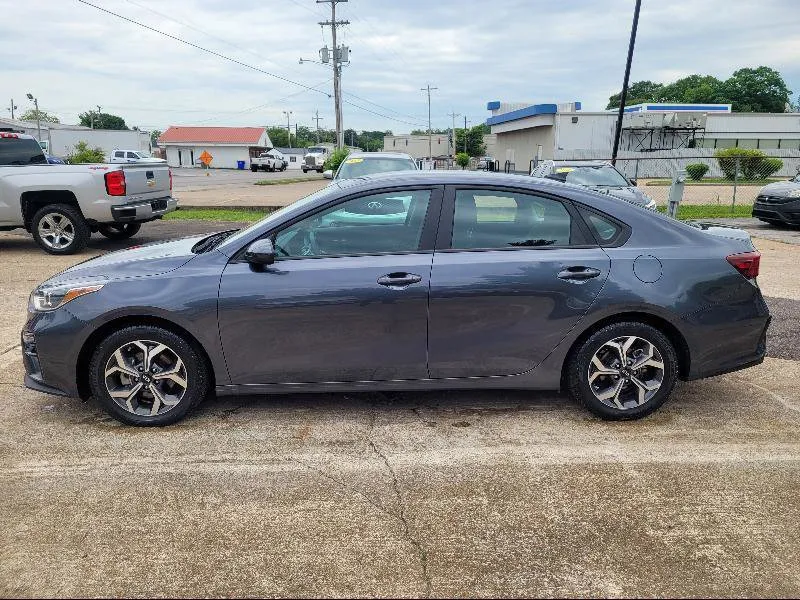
x=580, y=163
x=401, y=155
x=447, y=177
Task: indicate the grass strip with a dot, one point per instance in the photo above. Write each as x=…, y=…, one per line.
x=286, y=180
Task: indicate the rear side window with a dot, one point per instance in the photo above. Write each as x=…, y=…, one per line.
x=607, y=231
x=504, y=219
x=20, y=151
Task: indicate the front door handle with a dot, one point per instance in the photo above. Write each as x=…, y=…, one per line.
x=399, y=280
x=578, y=273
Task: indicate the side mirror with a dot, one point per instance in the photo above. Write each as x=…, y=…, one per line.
x=260, y=252
x=632, y=181
x=328, y=174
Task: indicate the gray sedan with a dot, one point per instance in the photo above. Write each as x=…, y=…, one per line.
x=489, y=281
x=779, y=202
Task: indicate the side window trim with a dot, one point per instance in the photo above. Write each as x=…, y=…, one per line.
x=444, y=239
x=427, y=238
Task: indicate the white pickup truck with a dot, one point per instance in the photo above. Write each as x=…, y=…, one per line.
x=272, y=160
x=61, y=205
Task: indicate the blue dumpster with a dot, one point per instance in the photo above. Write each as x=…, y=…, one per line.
x=240, y=165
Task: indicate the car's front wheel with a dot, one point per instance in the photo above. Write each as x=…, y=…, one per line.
x=147, y=376
x=623, y=371
x=119, y=231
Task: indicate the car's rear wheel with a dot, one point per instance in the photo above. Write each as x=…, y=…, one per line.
x=60, y=229
x=623, y=371
x=147, y=376
x=119, y=231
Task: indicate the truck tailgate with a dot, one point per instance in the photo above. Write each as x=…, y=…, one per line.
x=146, y=181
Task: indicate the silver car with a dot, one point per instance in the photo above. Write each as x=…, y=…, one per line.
x=359, y=164
x=779, y=202
x=600, y=176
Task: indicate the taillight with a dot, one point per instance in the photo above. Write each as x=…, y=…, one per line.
x=115, y=183
x=170, y=179
x=746, y=263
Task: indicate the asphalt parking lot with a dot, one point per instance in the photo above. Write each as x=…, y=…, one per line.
x=424, y=494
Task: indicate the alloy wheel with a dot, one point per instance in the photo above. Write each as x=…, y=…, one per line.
x=146, y=378
x=56, y=231
x=626, y=372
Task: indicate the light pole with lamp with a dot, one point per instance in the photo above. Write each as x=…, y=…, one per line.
x=288, y=127
x=38, y=117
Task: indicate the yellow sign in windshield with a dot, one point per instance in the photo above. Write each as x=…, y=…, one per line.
x=564, y=169
x=351, y=161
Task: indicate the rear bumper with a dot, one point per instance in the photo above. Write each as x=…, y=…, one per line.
x=143, y=210
x=776, y=209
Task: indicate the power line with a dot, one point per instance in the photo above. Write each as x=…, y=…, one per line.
x=198, y=47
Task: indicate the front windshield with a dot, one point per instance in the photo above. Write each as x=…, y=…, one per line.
x=358, y=167
x=278, y=214
x=315, y=150
x=605, y=176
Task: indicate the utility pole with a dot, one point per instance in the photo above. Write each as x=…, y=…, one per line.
x=91, y=116
x=624, y=96
x=13, y=108
x=339, y=54
x=465, y=134
x=428, y=88
x=317, y=119
x=288, y=127
x=453, y=131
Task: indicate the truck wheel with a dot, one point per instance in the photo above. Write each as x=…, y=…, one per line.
x=60, y=229
x=305, y=170
x=120, y=231
x=254, y=168
x=319, y=170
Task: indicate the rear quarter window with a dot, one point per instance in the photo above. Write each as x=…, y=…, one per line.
x=607, y=230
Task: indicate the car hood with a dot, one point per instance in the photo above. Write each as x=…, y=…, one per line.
x=137, y=261
x=629, y=194
x=779, y=188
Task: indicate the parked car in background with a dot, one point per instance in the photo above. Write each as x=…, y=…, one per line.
x=484, y=162
x=272, y=160
x=358, y=164
x=61, y=205
x=779, y=202
x=55, y=160
x=597, y=175
x=489, y=281
x=314, y=159
x=133, y=157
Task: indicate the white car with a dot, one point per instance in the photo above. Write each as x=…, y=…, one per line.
x=133, y=156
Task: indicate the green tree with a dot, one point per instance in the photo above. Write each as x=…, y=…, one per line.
x=757, y=90
x=638, y=92
x=475, y=145
x=335, y=159
x=701, y=89
x=462, y=159
x=154, y=135
x=82, y=153
x=101, y=120
x=44, y=117
x=279, y=136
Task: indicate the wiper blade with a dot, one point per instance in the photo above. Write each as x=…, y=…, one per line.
x=212, y=241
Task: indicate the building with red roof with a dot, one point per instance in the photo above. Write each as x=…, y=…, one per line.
x=229, y=147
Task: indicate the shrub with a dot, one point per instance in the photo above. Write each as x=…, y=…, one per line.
x=83, y=154
x=771, y=166
x=335, y=159
x=697, y=170
x=462, y=159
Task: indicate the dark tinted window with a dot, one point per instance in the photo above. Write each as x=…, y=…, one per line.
x=607, y=231
x=500, y=219
x=19, y=151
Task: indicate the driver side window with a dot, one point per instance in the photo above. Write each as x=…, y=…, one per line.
x=389, y=222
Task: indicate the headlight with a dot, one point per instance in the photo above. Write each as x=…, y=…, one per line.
x=794, y=194
x=45, y=298
x=651, y=205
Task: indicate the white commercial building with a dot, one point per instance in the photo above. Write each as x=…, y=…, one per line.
x=563, y=131
x=59, y=140
x=417, y=145
x=229, y=147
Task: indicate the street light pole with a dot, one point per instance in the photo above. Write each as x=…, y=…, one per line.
x=38, y=117
x=624, y=95
x=288, y=127
x=428, y=88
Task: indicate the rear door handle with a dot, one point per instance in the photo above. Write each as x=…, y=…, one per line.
x=578, y=273
x=399, y=280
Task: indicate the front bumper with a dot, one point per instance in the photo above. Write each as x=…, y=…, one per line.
x=144, y=210
x=777, y=208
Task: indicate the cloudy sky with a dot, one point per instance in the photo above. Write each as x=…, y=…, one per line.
x=73, y=57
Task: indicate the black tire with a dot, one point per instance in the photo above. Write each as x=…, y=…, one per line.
x=580, y=361
x=304, y=170
x=254, y=168
x=119, y=231
x=71, y=222
x=195, y=374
